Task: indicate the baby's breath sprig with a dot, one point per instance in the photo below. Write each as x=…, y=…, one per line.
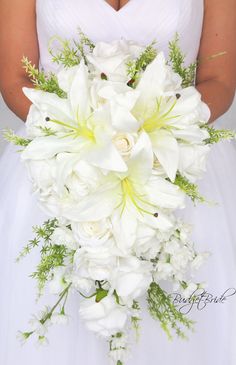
x=10, y=136
x=177, y=59
x=162, y=309
x=134, y=67
x=217, y=135
x=41, y=80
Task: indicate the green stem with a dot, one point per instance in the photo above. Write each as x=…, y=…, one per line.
x=62, y=295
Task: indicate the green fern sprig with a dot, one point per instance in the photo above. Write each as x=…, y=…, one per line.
x=188, y=188
x=217, y=135
x=41, y=80
x=10, y=136
x=43, y=232
x=177, y=59
x=162, y=309
x=134, y=67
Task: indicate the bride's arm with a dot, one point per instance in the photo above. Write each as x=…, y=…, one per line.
x=216, y=77
x=18, y=37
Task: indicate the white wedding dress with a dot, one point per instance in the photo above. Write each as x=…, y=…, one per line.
x=214, y=227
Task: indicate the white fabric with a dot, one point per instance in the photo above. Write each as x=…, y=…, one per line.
x=215, y=229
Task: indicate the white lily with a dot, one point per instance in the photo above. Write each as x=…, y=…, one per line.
x=129, y=197
x=82, y=131
x=168, y=115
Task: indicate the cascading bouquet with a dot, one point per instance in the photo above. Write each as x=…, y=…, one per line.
x=116, y=139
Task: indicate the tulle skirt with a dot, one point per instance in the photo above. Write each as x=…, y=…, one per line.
x=213, y=341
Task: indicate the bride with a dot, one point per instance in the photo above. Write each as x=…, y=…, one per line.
x=205, y=29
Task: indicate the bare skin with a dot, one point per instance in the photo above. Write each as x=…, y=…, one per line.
x=18, y=37
x=116, y=4
x=216, y=77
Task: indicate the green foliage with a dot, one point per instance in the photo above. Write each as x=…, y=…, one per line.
x=10, y=136
x=51, y=256
x=48, y=313
x=42, y=233
x=177, y=59
x=100, y=294
x=47, y=131
x=140, y=64
x=114, y=347
x=135, y=320
x=41, y=80
x=189, y=188
x=70, y=53
x=162, y=309
x=216, y=135
x=67, y=55
x=62, y=295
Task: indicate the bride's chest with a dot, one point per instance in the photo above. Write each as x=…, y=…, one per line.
x=139, y=20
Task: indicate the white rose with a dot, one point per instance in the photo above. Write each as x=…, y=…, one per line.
x=42, y=174
x=92, y=233
x=131, y=278
x=192, y=161
x=83, y=180
x=64, y=236
x=124, y=142
x=105, y=318
x=146, y=244
x=96, y=264
x=85, y=285
x=111, y=58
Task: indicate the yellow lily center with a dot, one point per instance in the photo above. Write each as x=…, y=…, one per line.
x=129, y=192
x=158, y=120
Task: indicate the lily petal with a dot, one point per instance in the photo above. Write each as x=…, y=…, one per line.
x=46, y=147
x=164, y=194
x=105, y=156
x=165, y=147
x=55, y=106
x=141, y=160
x=94, y=206
x=79, y=93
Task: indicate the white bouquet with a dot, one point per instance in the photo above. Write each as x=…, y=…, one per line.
x=116, y=140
